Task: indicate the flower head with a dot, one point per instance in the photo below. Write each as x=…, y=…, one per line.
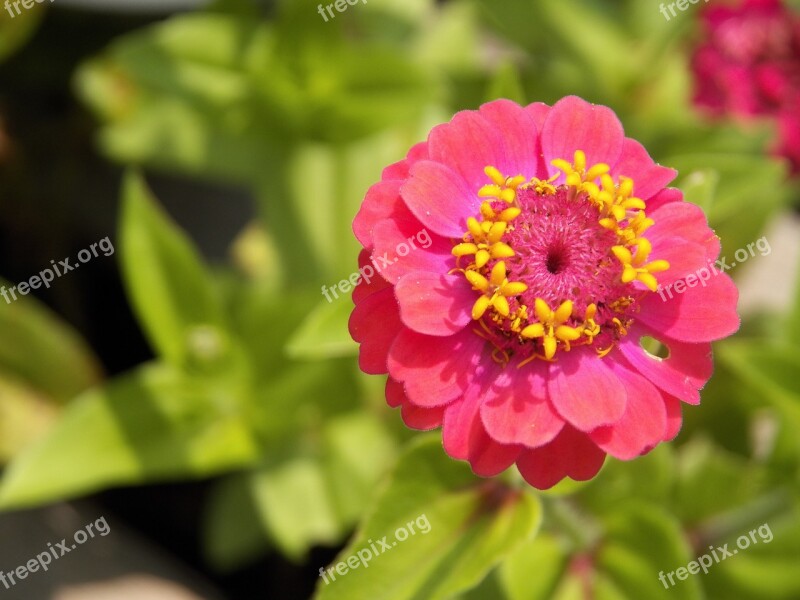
x=749, y=65
x=519, y=329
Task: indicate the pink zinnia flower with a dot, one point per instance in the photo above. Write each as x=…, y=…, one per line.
x=749, y=66
x=518, y=328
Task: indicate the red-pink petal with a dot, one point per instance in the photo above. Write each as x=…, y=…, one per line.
x=369, y=283
x=686, y=220
x=538, y=111
x=702, y=313
x=415, y=417
x=440, y=198
x=408, y=247
x=422, y=419
x=379, y=203
x=374, y=323
x=665, y=196
x=574, y=124
x=464, y=437
x=649, y=178
x=572, y=454
x=682, y=374
x=643, y=424
x=400, y=170
x=585, y=391
x=395, y=394
x=434, y=370
x=435, y=304
x=517, y=411
x=467, y=144
x=674, y=420
x=520, y=135
x=685, y=258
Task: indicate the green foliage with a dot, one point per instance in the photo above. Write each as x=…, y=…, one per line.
x=153, y=424
x=470, y=527
x=172, y=295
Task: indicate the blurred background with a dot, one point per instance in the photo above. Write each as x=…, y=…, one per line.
x=193, y=387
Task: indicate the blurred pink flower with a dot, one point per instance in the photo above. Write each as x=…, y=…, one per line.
x=749, y=66
x=518, y=329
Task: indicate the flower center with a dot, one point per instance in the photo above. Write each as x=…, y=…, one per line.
x=556, y=259
x=557, y=267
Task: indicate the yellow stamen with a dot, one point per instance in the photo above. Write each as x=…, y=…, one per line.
x=636, y=267
x=551, y=326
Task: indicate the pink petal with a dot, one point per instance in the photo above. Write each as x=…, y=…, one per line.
x=635, y=163
x=379, y=203
x=400, y=170
x=422, y=419
x=408, y=247
x=467, y=144
x=465, y=438
x=585, y=391
x=435, y=304
x=685, y=258
x=517, y=411
x=367, y=284
x=572, y=454
x=434, y=370
x=665, y=196
x=395, y=394
x=674, y=420
x=538, y=111
x=374, y=323
x=682, y=374
x=685, y=220
x=440, y=198
x=574, y=124
x=520, y=134
x=642, y=426
x=702, y=313
x=413, y=416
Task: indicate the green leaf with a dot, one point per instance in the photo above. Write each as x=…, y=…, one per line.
x=650, y=478
x=769, y=370
x=232, y=537
x=711, y=481
x=641, y=542
x=172, y=295
x=310, y=492
x=546, y=556
x=295, y=505
x=25, y=415
x=42, y=350
x=324, y=333
x=765, y=561
x=352, y=473
x=462, y=528
x=150, y=425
